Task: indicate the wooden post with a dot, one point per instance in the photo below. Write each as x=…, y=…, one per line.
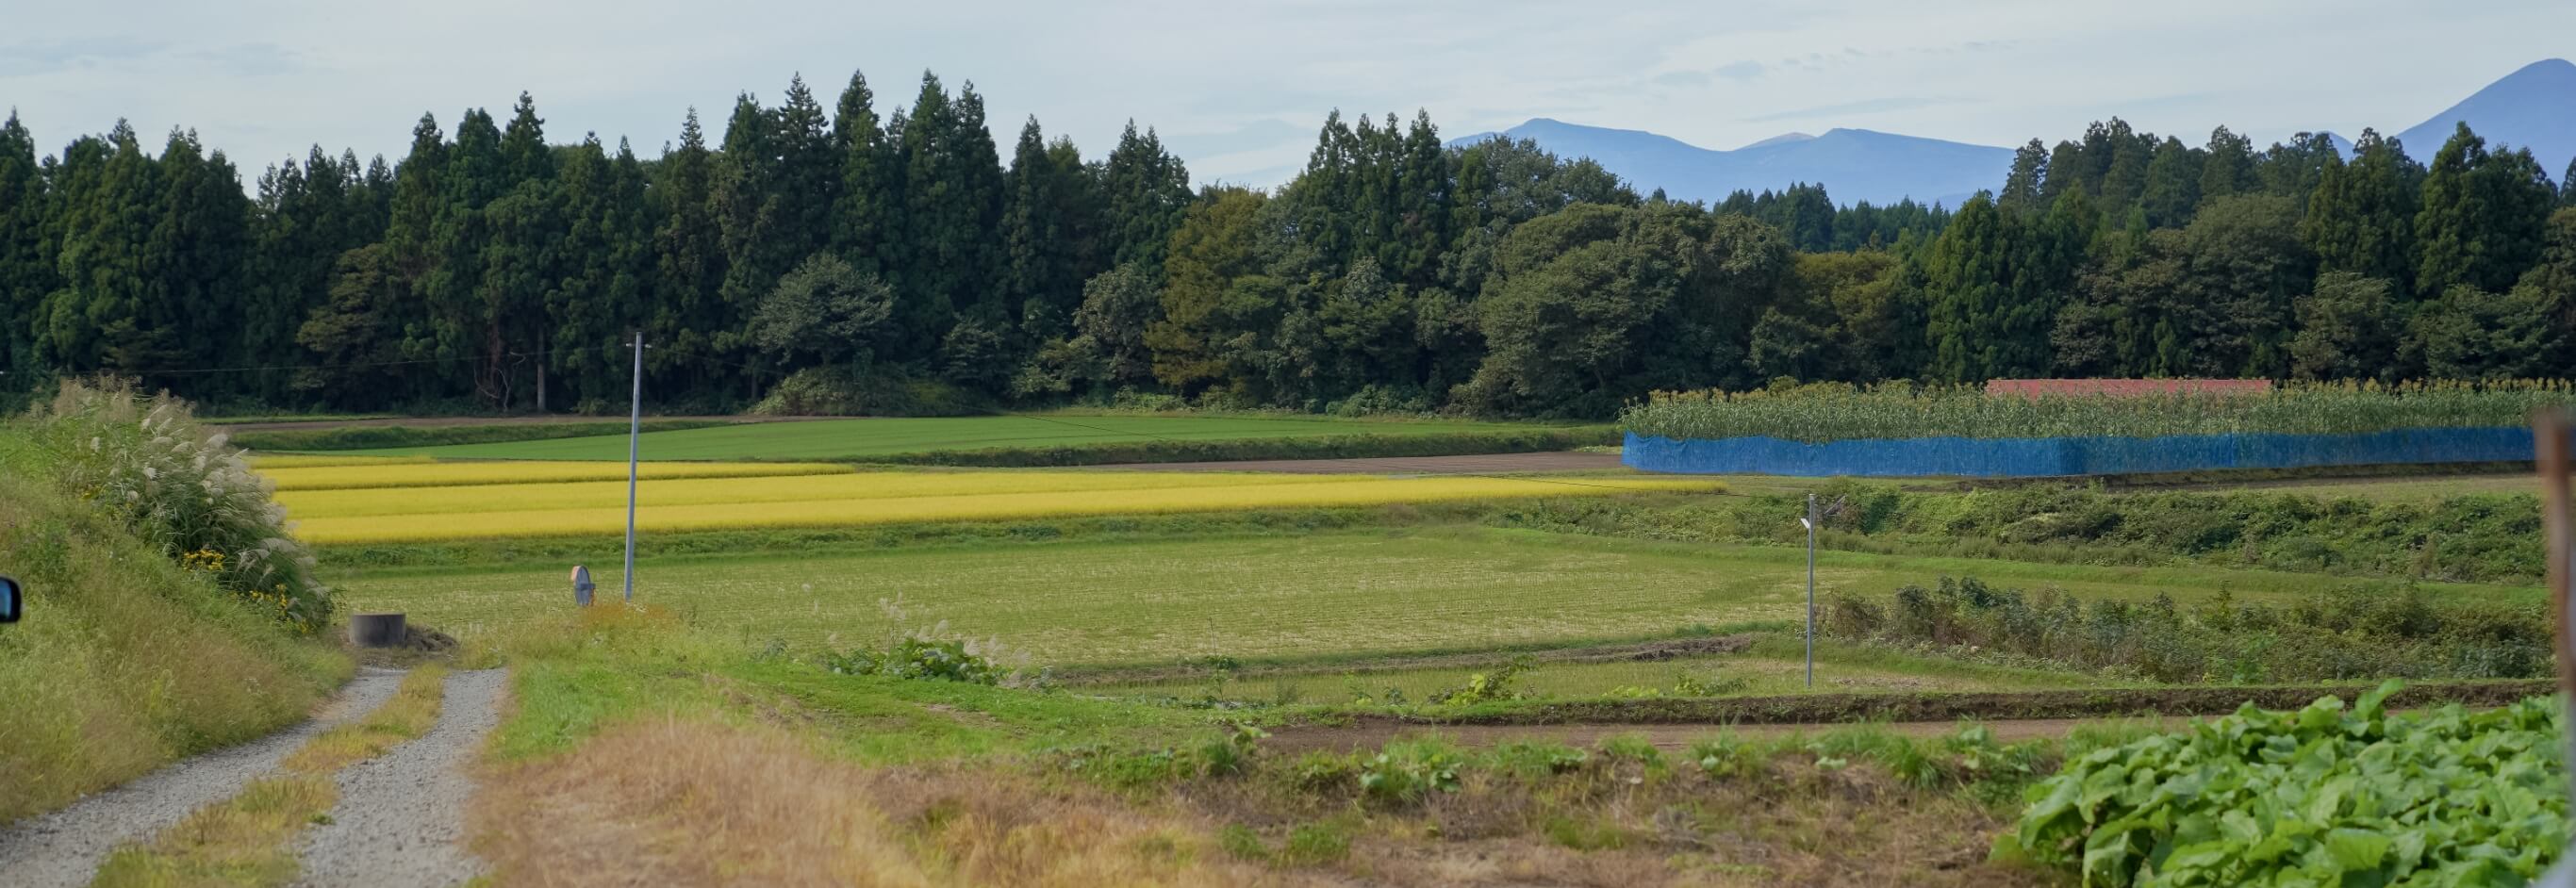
x=2549, y=437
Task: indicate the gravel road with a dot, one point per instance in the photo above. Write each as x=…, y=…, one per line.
x=64, y=847
x=401, y=817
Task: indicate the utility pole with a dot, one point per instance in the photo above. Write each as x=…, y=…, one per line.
x=1810, y=522
x=634, y=447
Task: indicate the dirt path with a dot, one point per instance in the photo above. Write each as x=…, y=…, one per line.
x=1491, y=464
x=401, y=816
x=64, y=848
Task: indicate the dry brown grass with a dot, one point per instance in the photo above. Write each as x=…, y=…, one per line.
x=678, y=802
x=693, y=803
x=1616, y=823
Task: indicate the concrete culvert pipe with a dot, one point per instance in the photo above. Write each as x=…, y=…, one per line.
x=376, y=630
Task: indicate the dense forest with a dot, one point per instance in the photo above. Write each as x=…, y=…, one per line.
x=843, y=258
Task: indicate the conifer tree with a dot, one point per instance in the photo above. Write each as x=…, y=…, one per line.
x=809, y=175
x=2228, y=165
x=26, y=268
x=2481, y=219
x=2173, y=185
x=868, y=202
x=2022, y=186
x=688, y=310
x=2362, y=216
x=1147, y=191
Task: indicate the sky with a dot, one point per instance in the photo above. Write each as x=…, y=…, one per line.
x=1237, y=89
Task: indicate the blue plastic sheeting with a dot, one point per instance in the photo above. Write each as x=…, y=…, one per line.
x=2048, y=457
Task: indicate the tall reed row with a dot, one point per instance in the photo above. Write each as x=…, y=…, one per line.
x=1834, y=412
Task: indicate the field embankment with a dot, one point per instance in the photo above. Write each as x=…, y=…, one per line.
x=131, y=654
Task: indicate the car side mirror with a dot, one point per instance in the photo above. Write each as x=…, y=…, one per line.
x=8, y=600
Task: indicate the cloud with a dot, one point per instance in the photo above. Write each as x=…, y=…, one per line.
x=1865, y=106
x=258, y=59
x=1744, y=70
x=50, y=56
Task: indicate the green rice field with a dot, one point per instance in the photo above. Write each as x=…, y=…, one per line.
x=849, y=439
x=1322, y=596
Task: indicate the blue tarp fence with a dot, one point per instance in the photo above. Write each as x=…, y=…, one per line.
x=2049, y=457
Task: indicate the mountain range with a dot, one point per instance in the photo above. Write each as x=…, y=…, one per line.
x=2534, y=107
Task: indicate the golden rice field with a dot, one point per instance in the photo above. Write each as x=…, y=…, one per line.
x=413, y=502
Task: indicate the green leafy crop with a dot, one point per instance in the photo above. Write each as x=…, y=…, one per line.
x=2321, y=796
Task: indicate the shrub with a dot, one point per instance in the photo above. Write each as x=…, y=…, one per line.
x=931, y=654
x=949, y=660
x=182, y=488
x=1407, y=771
x=840, y=391
x=1485, y=687
x=1531, y=759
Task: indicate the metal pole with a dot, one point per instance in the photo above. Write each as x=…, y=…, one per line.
x=1811, y=591
x=634, y=446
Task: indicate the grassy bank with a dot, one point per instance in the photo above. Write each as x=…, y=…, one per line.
x=127, y=661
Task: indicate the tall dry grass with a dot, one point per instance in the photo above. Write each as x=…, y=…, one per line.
x=680, y=803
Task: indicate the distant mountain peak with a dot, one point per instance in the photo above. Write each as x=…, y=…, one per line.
x=2534, y=107
x=1853, y=165
x=1781, y=139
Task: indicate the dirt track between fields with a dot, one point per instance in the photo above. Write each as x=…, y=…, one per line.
x=64, y=847
x=1490, y=464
